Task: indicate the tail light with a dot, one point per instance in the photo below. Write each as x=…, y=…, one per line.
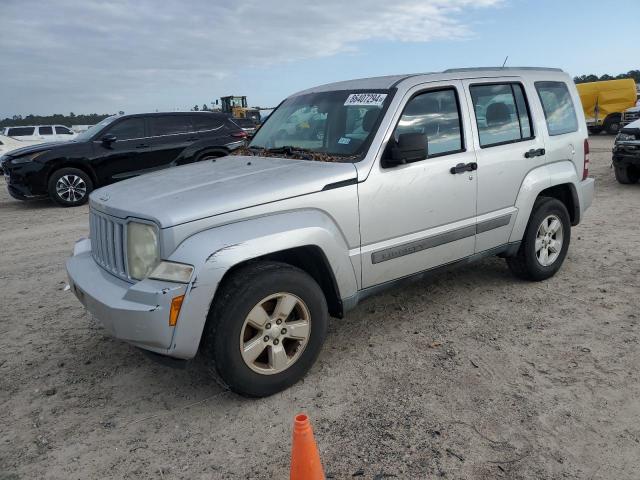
x=585, y=168
x=240, y=134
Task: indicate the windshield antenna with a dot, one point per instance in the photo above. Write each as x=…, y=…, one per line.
x=505, y=61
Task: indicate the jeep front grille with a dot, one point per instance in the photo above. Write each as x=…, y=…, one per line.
x=108, y=243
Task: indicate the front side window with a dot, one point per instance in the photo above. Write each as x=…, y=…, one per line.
x=558, y=107
x=436, y=116
x=46, y=130
x=128, y=129
x=170, y=125
x=63, y=131
x=20, y=131
x=338, y=123
x=502, y=113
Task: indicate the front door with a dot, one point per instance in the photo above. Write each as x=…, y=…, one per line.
x=118, y=159
x=508, y=145
x=420, y=215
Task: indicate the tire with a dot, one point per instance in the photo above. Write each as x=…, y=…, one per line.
x=612, y=124
x=78, y=183
x=228, y=327
x=595, y=130
x=528, y=263
x=210, y=155
x=627, y=174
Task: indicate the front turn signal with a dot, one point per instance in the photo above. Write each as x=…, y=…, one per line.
x=176, y=304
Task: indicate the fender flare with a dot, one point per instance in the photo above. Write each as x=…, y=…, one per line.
x=537, y=180
x=214, y=252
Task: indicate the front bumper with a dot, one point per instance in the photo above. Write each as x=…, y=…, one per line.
x=137, y=313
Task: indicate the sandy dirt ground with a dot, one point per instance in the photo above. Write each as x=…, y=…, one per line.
x=470, y=375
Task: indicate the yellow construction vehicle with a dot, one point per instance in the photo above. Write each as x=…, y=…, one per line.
x=236, y=106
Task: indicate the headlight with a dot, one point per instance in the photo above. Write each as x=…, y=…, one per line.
x=143, y=251
x=25, y=158
x=626, y=137
x=172, y=272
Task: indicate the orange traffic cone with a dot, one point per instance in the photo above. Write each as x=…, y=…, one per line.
x=305, y=459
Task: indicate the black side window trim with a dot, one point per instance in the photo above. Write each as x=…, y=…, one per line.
x=460, y=124
x=526, y=102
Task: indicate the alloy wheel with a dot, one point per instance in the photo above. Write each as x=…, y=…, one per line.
x=71, y=188
x=275, y=333
x=549, y=240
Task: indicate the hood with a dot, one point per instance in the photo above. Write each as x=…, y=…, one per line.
x=40, y=147
x=631, y=126
x=204, y=189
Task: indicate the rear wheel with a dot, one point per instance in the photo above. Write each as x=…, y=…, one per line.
x=265, y=328
x=70, y=187
x=612, y=124
x=627, y=173
x=545, y=243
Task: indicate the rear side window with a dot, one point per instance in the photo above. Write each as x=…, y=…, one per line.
x=502, y=113
x=170, y=125
x=63, y=131
x=206, y=121
x=46, y=130
x=20, y=131
x=435, y=115
x=128, y=129
x=558, y=107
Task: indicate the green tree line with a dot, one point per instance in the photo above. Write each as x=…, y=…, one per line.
x=635, y=74
x=56, y=119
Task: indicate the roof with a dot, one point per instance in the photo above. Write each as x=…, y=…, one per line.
x=391, y=81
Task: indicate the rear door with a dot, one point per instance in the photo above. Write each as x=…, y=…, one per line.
x=508, y=145
x=46, y=134
x=170, y=135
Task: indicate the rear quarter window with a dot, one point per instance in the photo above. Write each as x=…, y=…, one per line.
x=558, y=107
x=20, y=131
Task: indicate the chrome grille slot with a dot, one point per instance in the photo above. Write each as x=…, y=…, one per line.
x=107, y=243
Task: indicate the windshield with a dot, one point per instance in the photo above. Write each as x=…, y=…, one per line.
x=338, y=123
x=91, y=131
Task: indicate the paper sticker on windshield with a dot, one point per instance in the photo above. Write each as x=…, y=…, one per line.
x=366, y=99
x=344, y=141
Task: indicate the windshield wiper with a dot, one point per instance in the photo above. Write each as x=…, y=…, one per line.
x=289, y=149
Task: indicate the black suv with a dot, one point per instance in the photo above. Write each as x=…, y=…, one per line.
x=119, y=147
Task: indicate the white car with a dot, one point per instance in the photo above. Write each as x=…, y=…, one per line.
x=44, y=133
x=8, y=144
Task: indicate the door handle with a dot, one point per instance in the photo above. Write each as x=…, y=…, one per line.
x=142, y=145
x=192, y=139
x=534, y=153
x=464, y=167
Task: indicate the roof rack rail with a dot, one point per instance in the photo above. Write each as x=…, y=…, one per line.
x=477, y=69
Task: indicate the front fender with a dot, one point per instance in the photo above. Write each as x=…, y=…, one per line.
x=213, y=252
x=537, y=180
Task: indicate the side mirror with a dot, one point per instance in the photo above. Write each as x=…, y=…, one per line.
x=410, y=147
x=108, y=139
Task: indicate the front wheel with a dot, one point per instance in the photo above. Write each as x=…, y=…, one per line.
x=70, y=187
x=545, y=243
x=265, y=328
x=627, y=173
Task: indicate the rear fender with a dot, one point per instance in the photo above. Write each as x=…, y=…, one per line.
x=536, y=181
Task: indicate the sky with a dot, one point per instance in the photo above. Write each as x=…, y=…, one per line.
x=86, y=56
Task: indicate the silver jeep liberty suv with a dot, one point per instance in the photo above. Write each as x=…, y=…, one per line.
x=346, y=189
